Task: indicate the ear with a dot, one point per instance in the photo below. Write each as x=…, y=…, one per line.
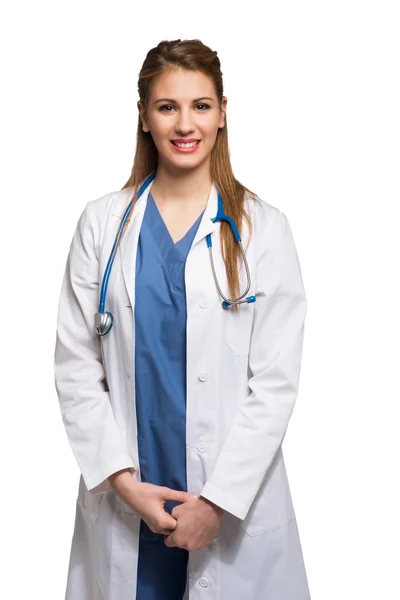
x=224, y=102
x=141, y=114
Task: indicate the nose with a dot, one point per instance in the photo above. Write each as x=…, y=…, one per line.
x=184, y=122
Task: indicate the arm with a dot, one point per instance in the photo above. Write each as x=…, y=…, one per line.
x=79, y=375
x=274, y=359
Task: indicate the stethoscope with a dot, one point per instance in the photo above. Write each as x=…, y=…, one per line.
x=104, y=320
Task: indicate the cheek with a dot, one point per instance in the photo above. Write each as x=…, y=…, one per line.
x=161, y=140
x=159, y=130
x=210, y=131
x=160, y=135
x=209, y=141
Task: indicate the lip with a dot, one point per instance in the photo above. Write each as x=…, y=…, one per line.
x=185, y=140
x=186, y=150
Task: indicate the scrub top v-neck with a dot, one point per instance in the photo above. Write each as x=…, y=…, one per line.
x=160, y=381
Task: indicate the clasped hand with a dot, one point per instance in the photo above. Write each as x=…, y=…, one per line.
x=191, y=525
x=197, y=523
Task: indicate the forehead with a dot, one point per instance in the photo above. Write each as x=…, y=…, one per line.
x=182, y=85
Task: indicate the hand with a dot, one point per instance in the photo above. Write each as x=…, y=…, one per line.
x=198, y=523
x=148, y=500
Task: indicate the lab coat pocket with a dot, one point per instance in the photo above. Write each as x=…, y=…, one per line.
x=91, y=504
x=238, y=328
x=272, y=508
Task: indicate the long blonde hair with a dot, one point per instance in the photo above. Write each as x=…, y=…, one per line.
x=193, y=55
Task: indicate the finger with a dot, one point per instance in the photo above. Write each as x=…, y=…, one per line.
x=165, y=528
x=169, y=540
x=165, y=531
x=177, y=510
x=176, y=495
x=167, y=522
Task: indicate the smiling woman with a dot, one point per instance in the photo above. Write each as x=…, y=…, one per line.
x=181, y=122
x=177, y=416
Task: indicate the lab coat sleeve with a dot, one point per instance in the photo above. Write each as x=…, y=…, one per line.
x=79, y=374
x=274, y=359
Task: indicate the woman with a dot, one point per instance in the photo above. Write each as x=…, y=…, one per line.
x=176, y=416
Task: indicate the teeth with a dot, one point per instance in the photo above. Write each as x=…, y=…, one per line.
x=182, y=145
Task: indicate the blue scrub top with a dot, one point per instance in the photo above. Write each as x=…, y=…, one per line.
x=160, y=380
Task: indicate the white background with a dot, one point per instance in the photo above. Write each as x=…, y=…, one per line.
x=314, y=129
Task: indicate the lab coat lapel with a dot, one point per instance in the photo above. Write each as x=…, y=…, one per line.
x=129, y=241
x=206, y=225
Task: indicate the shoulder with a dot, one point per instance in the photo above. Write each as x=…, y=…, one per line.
x=263, y=215
x=273, y=236
x=97, y=213
x=111, y=203
x=101, y=215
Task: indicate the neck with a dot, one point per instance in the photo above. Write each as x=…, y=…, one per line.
x=178, y=186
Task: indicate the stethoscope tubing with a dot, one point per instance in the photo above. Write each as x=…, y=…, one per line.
x=104, y=320
x=113, y=250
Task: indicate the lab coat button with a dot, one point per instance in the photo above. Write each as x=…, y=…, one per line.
x=203, y=376
x=203, y=582
x=203, y=304
x=201, y=446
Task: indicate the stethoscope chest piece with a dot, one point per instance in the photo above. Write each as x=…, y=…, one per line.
x=221, y=216
x=249, y=300
x=103, y=322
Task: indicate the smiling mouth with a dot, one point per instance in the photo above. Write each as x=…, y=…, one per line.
x=185, y=144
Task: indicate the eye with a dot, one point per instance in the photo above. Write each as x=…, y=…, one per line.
x=207, y=106
x=165, y=106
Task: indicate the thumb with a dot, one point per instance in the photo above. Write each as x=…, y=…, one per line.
x=168, y=522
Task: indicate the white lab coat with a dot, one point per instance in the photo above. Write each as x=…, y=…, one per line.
x=242, y=382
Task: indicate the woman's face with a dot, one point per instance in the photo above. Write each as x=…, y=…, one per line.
x=183, y=107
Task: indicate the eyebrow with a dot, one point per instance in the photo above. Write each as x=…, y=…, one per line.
x=174, y=101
